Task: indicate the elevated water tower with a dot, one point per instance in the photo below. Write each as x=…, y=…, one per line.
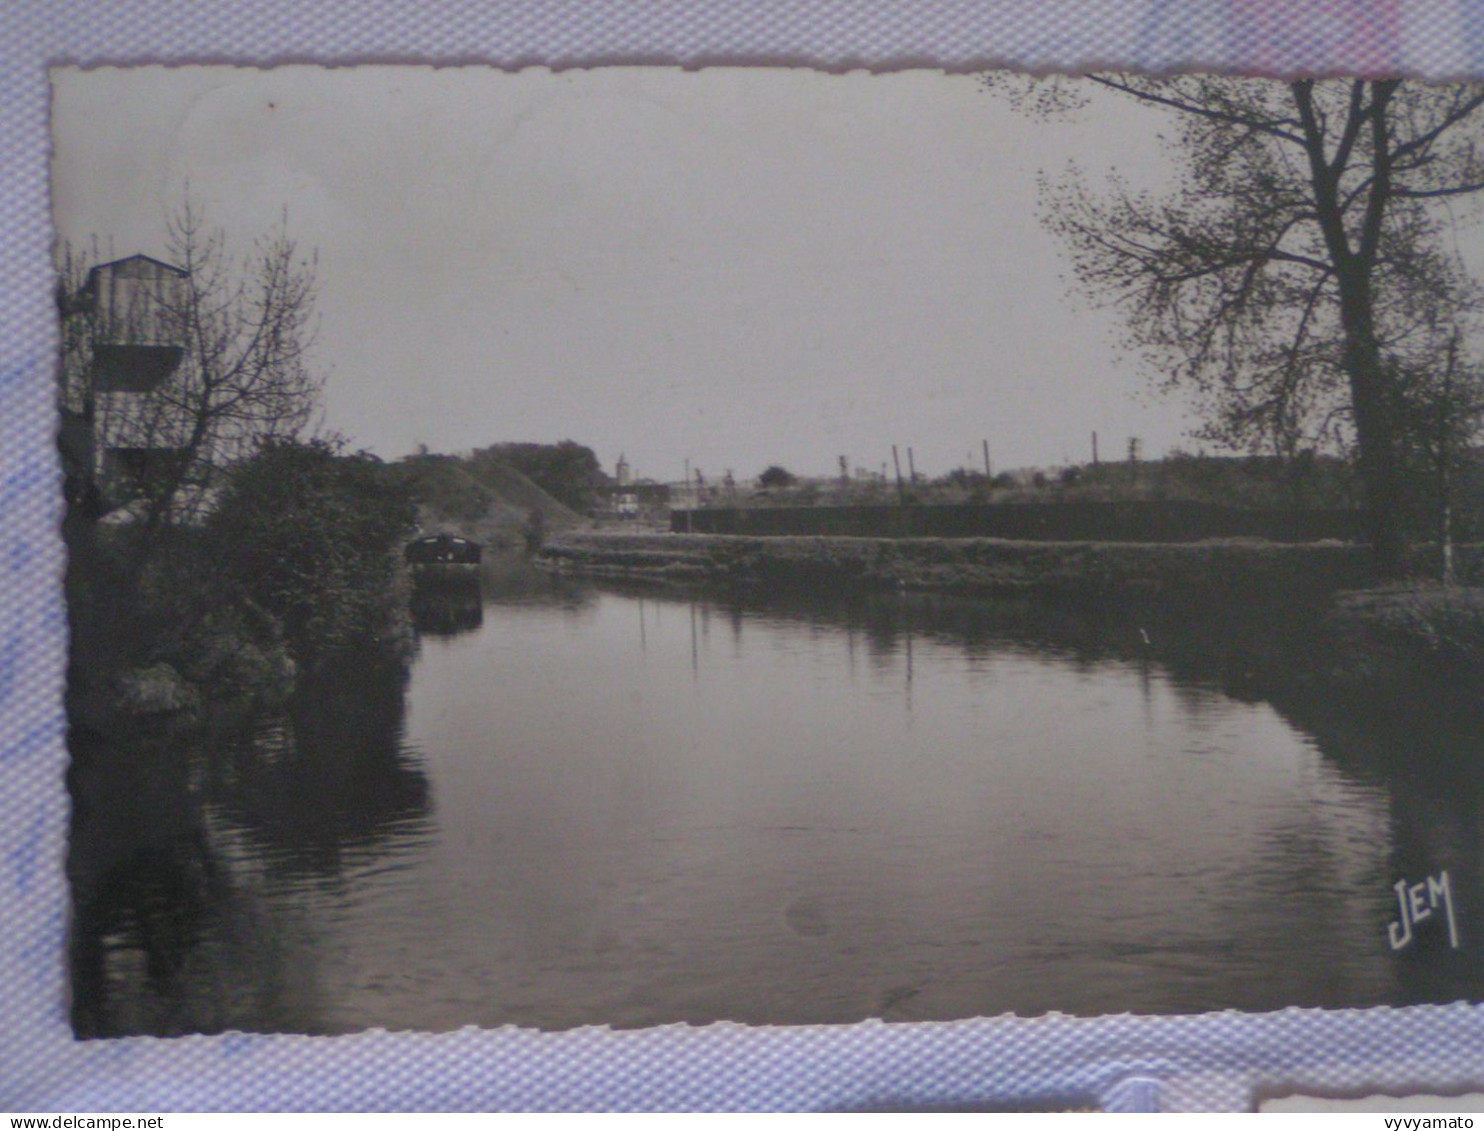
x=124, y=336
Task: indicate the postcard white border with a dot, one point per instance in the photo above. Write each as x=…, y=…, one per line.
x=1210, y=1062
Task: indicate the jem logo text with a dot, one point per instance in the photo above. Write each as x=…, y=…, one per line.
x=1417, y=903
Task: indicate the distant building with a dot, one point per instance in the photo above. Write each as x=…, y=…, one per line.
x=641, y=499
x=622, y=474
x=124, y=338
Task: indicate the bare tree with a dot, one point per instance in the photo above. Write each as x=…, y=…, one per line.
x=1299, y=271
x=174, y=370
x=1442, y=407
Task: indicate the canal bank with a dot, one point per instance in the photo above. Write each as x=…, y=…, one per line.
x=1311, y=612
x=1197, y=571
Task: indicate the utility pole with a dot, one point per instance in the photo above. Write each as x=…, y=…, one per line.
x=689, y=502
x=986, y=459
x=911, y=468
x=1094, y=449
x=896, y=461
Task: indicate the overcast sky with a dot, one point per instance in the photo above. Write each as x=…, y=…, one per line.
x=735, y=267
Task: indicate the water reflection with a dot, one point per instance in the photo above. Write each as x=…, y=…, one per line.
x=181, y=847
x=514, y=579
x=331, y=777
x=144, y=879
x=1004, y=808
x=447, y=610
x=588, y=808
x=1430, y=762
x=1426, y=761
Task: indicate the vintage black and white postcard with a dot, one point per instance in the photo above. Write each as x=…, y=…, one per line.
x=635, y=546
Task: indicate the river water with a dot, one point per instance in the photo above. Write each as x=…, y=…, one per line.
x=593, y=806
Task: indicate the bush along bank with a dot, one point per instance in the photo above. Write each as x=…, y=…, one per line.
x=1283, y=613
x=297, y=563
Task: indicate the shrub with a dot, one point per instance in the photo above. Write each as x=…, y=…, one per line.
x=311, y=536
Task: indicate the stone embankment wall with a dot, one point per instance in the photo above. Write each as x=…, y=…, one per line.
x=1199, y=571
x=1135, y=520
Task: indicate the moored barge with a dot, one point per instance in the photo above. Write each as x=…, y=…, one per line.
x=443, y=557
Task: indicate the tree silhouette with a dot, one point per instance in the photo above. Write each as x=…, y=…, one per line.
x=1298, y=276
x=236, y=330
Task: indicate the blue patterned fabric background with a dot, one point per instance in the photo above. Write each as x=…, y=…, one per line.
x=1221, y=1061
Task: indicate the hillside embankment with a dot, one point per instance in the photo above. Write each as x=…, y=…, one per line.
x=493, y=509
x=1309, y=612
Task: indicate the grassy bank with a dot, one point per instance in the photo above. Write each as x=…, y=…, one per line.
x=1407, y=640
